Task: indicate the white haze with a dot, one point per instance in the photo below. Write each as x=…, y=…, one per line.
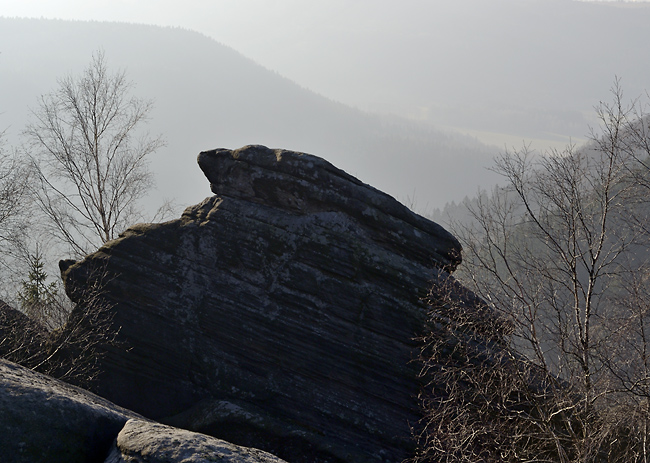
x=423, y=59
x=504, y=71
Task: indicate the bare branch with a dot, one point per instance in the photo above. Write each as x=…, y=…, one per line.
x=91, y=168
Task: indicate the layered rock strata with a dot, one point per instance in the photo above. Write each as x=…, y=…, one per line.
x=279, y=313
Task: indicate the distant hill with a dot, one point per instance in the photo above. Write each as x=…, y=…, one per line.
x=208, y=95
x=529, y=69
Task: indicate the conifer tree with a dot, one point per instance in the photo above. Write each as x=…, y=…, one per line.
x=38, y=298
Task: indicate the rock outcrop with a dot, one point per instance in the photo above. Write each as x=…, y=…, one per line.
x=279, y=313
x=43, y=420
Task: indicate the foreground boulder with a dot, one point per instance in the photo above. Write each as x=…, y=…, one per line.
x=43, y=420
x=279, y=313
x=143, y=441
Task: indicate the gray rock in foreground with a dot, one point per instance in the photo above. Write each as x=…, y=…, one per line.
x=45, y=420
x=145, y=442
x=280, y=313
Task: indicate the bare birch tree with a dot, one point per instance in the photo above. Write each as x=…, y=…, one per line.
x=90, y=168
x=14, y=178
x=561, y=254
x=14, y=217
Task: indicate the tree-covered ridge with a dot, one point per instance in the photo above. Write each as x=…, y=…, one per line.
x=559, y=254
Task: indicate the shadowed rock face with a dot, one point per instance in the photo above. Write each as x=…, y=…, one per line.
x=46, y=420
x=279, y=313
x=302, y=184
x=21, y=338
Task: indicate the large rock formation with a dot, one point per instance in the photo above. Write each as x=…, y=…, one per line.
x=279, y=313
x=43, y=420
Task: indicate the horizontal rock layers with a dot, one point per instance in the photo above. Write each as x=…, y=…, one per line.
x=279, y=313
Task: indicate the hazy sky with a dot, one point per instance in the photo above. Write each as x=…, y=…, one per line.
x=462, y=64
x=503, y=71
x=279, y=34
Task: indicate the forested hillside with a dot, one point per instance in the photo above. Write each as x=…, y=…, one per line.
x=208, y=95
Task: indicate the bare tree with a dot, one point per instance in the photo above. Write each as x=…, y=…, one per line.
x=560, y=253
x=14, y=178
x=486, y=401
x=90, y=168
x=69, y=352
x=14, y=217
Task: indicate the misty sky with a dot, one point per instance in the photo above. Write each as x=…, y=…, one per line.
x=348, y=51
x=506, y=72
x=296, y=38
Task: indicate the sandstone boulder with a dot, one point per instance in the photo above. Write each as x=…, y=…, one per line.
x=279, y=313
x=45, y=420
x=143, y=441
